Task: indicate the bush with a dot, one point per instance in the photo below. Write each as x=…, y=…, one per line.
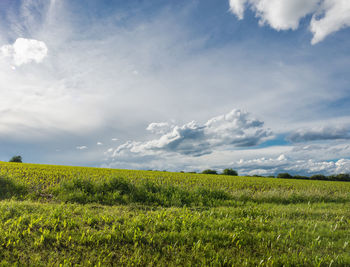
x=284, y=175
x=17, y=159
x=230, y=172
x=209, y=171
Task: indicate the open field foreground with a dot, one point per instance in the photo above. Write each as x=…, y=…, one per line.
x=51, y=215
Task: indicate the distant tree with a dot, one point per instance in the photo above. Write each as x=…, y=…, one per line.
x=342, y=177
x=209, y=171
x=284, y=175
x=302, y=177
x=318, y=177
x=17, y=159
x=230, y=172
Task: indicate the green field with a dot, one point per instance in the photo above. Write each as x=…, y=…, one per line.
x=52, y=215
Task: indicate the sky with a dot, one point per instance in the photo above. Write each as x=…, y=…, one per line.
x=260, y=86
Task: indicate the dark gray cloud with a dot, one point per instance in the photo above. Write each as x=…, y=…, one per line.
x=323, y=133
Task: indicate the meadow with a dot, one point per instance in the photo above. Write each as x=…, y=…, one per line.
x=52, y=215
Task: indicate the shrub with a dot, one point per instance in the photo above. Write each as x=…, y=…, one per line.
x=17, y=159
x=230, y=172
x=284, y=175
x=209, y=171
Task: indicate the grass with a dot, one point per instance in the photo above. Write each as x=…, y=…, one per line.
x=92, y=217
x=249, y=234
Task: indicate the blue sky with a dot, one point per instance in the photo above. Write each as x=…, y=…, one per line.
x=259, y=86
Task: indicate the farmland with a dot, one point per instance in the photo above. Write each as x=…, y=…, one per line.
x=93, y=216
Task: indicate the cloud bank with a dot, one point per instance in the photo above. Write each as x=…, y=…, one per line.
x=328, y=16
x=320, y=133
x=232, y=130
x=268, y=166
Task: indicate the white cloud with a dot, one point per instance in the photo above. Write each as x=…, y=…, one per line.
x=234, y=129
x=24, y=51
x=237, y=7
x=99, y=143
x=279, y=14
x=336, y=16
x=286, y=14
x=81, y=147
x=159, y=127
x=273, y=166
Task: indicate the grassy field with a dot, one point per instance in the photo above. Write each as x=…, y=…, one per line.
x=52, y=215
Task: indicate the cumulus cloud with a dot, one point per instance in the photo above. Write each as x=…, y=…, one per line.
x=336, y=16
x=234, y=129
x=261, y=166
x=159, y=127
x=286, y=14
x=237, y=7
x=321, y=133
x=280, y=15
x=24, y=51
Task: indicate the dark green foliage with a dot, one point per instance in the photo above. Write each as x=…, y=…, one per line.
x=17, y=159
x=122, y=191
x=318, y=177
x=209, y=171
x=284, y=175
x=230, y=172
x=345, y=177
x=9, y=188
x=340, y=177
x=300, y=177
